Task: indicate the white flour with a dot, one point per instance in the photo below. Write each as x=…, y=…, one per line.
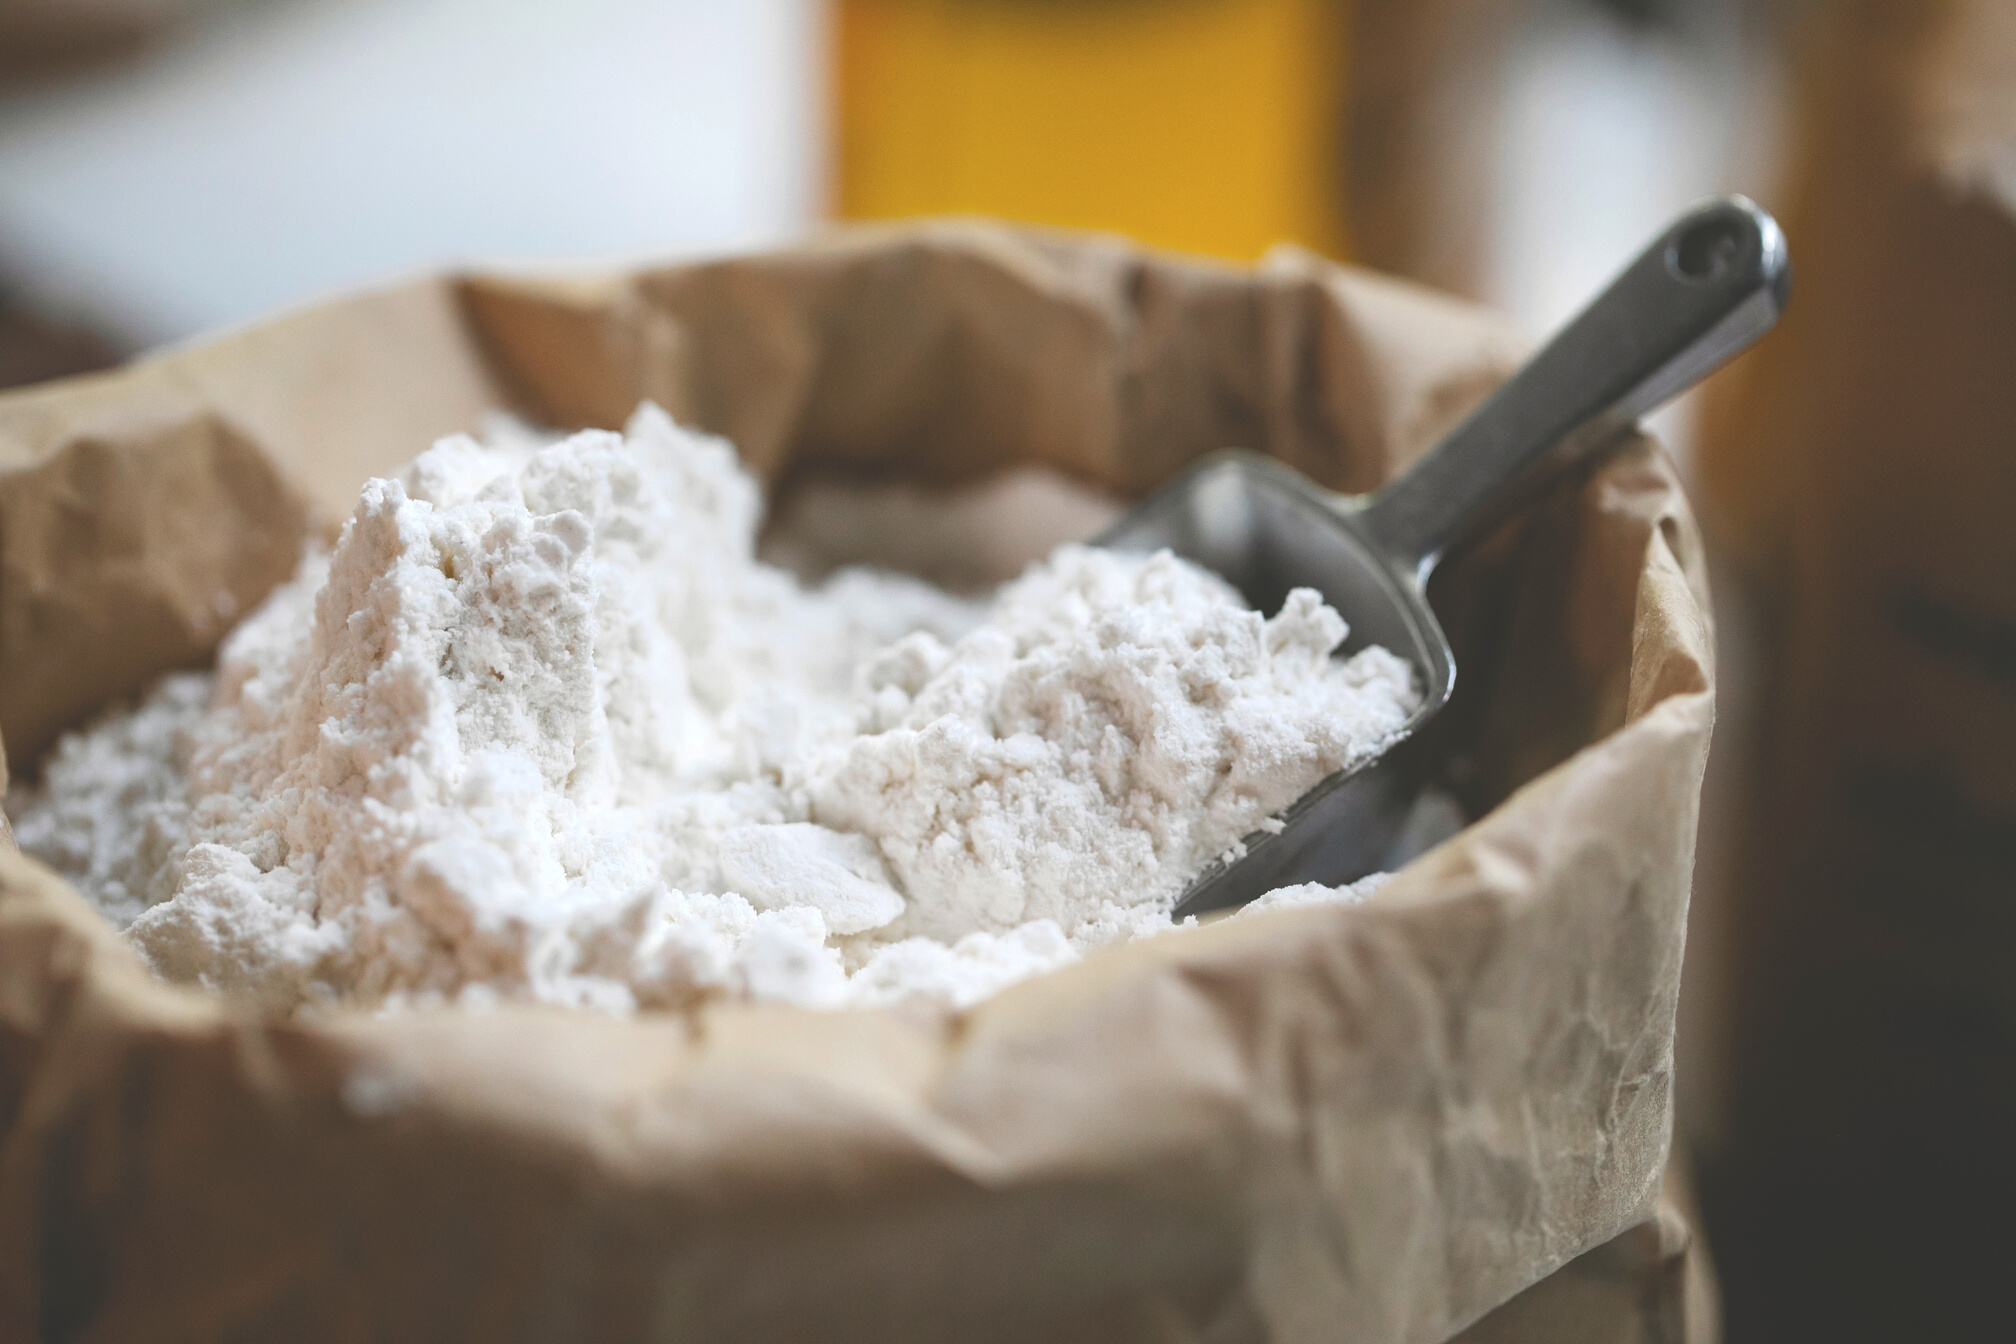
x=541, y=726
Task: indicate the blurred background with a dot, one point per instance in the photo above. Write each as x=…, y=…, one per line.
x=1848, y=1044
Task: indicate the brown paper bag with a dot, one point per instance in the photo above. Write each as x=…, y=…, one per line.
x=1370, y=1123
x=1652, y=1284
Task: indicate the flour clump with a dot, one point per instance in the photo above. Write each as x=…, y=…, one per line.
x=1116, y=723
x=540, y=725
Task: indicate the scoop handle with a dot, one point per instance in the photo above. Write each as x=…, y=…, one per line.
x=1710, y=285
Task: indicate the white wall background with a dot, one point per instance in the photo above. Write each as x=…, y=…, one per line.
x=279, y=151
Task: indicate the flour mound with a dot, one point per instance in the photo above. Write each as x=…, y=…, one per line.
x=541, y=726
x=1315, y=893
x=1117, y=723
x=112, y=812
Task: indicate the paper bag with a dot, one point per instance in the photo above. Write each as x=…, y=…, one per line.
x=1651, y=1284
x=1371, y=1123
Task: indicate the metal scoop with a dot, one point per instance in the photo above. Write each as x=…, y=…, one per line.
x=1713, y=283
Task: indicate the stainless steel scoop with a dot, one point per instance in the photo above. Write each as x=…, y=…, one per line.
x=1713, y=283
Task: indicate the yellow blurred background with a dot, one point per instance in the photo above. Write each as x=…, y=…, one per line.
x=1209, y=126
